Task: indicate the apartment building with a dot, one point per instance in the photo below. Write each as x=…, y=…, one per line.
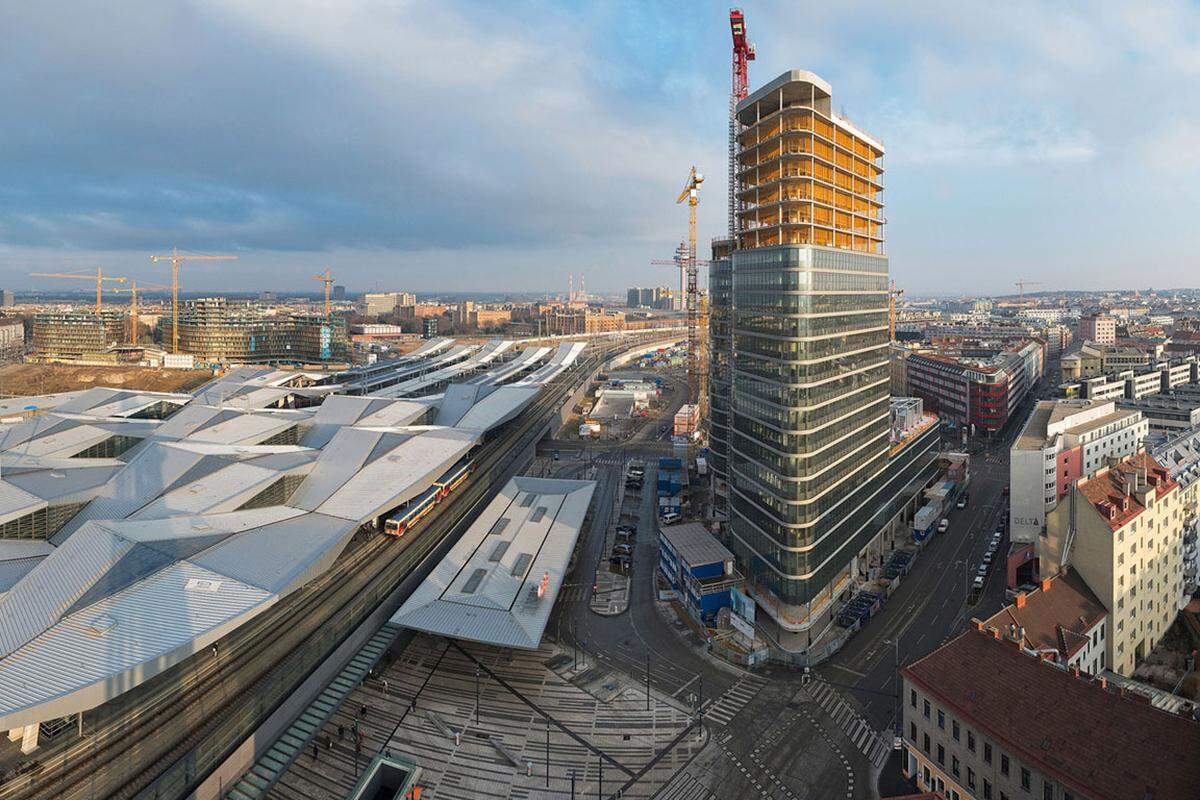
x=978, y=388
x=1122, y=531
x=1180, y=456
x=811, y=477
x=987, y=717
x=1175, y=412
x=575, y=320
x=1098, y=328
x=1063, y=441
x=1062, y=618
x=1093, y=360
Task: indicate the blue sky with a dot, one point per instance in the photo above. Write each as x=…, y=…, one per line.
x=460, y=145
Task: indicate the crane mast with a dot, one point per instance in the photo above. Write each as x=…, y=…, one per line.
x=691, y=195
x=177, y=258
x=743, y=53
x=327, y=279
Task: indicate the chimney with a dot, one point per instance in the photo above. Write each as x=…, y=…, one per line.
x=1020, y=601
x=995, y=633
x=978, y=623
x=1046, y=584
x=1075, y=670
x=1103, y=682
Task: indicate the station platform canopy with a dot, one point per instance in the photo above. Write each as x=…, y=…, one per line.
x=499, y=582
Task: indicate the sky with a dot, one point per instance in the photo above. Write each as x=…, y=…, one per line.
x=485, y=146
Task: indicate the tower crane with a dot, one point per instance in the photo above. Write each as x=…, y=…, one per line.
x=177, y=258
x=1021, y=284
x=84, y=276
x=133, y=304
x=328, y=280
x=894, y=295
x=743, y=53
x=691, y=195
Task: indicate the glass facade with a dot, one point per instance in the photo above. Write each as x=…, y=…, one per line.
x=810, y=388
x=720, y=291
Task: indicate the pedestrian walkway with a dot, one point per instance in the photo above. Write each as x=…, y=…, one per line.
x=736, y=697
x=875, y=746
x=685, y=787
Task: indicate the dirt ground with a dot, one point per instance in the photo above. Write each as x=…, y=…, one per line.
x=37, y=379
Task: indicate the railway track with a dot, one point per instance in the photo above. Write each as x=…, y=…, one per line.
x=181, y=726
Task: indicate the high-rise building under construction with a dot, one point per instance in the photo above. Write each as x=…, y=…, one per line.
x=799, y=369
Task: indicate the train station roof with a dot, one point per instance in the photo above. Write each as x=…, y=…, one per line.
x=499, y=582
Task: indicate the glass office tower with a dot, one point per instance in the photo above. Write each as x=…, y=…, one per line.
x=808, y=425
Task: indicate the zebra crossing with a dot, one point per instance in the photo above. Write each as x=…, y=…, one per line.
x=874, y=746
x=570, y=592
x=685, y=787
x=726, y=707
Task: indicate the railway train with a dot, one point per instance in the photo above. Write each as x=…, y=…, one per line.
x=408, y=515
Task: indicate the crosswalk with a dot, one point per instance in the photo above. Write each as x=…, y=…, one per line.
x=569, y=593
x=685, y=787
x=873, y=745
x=726, y=707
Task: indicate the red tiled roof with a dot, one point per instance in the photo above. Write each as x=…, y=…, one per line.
x=1106, y=490
x=1093, y=740
x=1058, y=617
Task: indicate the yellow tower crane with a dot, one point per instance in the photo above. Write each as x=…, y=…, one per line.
x=133, y=304
x=176, y=258
x=84, y=276
x=328, y=280
x=691, y=195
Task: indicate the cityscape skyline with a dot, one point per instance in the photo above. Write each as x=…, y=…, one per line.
x=995, y=130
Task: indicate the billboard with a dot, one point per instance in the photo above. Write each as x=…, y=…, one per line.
x=742, y=605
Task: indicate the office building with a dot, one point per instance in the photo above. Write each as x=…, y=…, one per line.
x=1098, y=328
x=215, y=330
x=78, y=335
x=1122, y=531
x=375, y=304
x=7, y=298
x=980, y=387
x=1171, y=413
x=429, y=327
x=1063, y=441
x=812, y=479
x=633, y=298
x=339, y=293
x=720, y=357
x=987, y=717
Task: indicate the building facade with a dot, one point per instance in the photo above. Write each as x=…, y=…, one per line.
x=214, y=330
x=976, y=386
x=1063, y=441
x=77, y=335
x=985, y=717
x=1098, y=328
x=1122, y=531
x=720, y=360
x=809, y=467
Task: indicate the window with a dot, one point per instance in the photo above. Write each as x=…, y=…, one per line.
x=1003, y=764
x=941, y=755
x=954, y=729
x=912, y=729
x=987, y=753
x=971, y=779
x=926, y=709
x=1025, y=779
x=913, y=697
x=954, y=765
x=942, y=720
x=987, y=789
x=1047, y=790
x=971, y=741
x=926, y=747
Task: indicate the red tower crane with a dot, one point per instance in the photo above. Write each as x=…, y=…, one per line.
x=743, y=53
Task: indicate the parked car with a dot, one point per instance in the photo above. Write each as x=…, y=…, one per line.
x=944, y=525
x=622, y=550
x=983, y=569
x=977, y=584
x=962, y=502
